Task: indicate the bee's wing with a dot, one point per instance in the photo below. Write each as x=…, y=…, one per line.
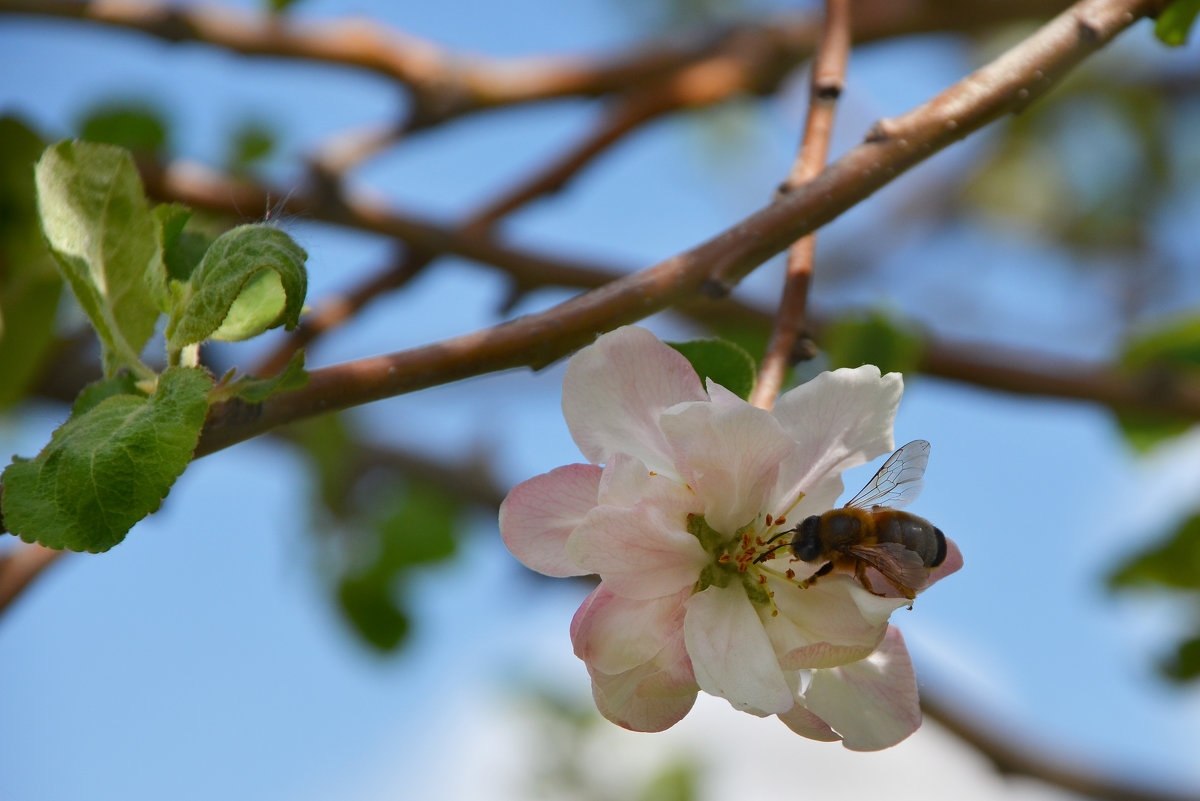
x=899, y=481
x=897, y=564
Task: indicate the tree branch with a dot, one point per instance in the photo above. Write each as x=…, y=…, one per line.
x=828, y=77
x=892, y=146
x=444, y=84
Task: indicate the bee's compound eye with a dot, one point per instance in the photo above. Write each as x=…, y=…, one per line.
x=807, y=543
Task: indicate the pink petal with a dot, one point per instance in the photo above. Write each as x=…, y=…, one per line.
x=614, y=634
x=729, y=454
x=872, y=703
x=539, y=514
x=643, y=552
x=615, y=390
x=838, y=420
x=651, y=697
x=731, y=654
x=806, y=724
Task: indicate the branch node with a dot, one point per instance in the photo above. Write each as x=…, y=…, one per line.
x=715, y=288
x=881, y=131
x=1088, y=31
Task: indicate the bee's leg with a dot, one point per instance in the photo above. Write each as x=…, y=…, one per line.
x=860, y=573
x=811, y=580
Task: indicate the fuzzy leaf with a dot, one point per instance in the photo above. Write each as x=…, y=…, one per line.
x=109, y=467
x=251, y=279
x=106, y=241
x=256, y=390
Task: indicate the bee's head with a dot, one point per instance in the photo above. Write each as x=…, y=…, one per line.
x=806, y=545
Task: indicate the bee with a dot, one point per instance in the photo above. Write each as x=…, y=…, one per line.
x=869, y=531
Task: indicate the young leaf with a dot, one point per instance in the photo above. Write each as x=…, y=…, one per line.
x=109, y=467
x=106, y=242
x=251, y=279
x=724, y=362
x=256, y=390
x=181, y=250
x=29, y=282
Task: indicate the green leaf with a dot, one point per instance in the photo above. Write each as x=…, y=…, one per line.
x=279, y=6
x=106, y=241
x=131, y=126
x=873, y=338
x=251, y=279
x=98, y=391
x=1175, y=22
x=419, y=529
x=1184, y=665
x=1172, y=563
x=29, y=282
x=109, y=467
x=256, y=390
x=724, y=362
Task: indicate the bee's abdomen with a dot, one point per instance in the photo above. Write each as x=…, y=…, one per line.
x=915, y=533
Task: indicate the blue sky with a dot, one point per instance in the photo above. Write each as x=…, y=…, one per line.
x=202, y=658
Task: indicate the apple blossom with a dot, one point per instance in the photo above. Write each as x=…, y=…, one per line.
x=688, y=490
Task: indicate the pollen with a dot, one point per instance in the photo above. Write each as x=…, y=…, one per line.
x=790, y=573
x=769, y=521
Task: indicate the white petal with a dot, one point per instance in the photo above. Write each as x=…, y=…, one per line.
x=729, y=455
x=643, y=552
x=615, y=390
x=730, y=652
x=614, y=634
x=539, y=514
x=872, y=703
x=627, y=482
x=838, y=420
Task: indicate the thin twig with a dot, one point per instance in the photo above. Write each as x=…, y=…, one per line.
x=19, y=566
x=828, y=78
x=625, y=116
x=892, y=146
x=445, y=84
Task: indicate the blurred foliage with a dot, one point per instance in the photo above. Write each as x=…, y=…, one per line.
x=876, y=338
x=1165, y=351
x=570, y=732
x=1176, y=21
x=133, y=125
x=1036, y=178
x=279, y=6
x=383, y=527
x=30, y=285
x=726, y=363
x=250, y=143
x=1170, y=566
